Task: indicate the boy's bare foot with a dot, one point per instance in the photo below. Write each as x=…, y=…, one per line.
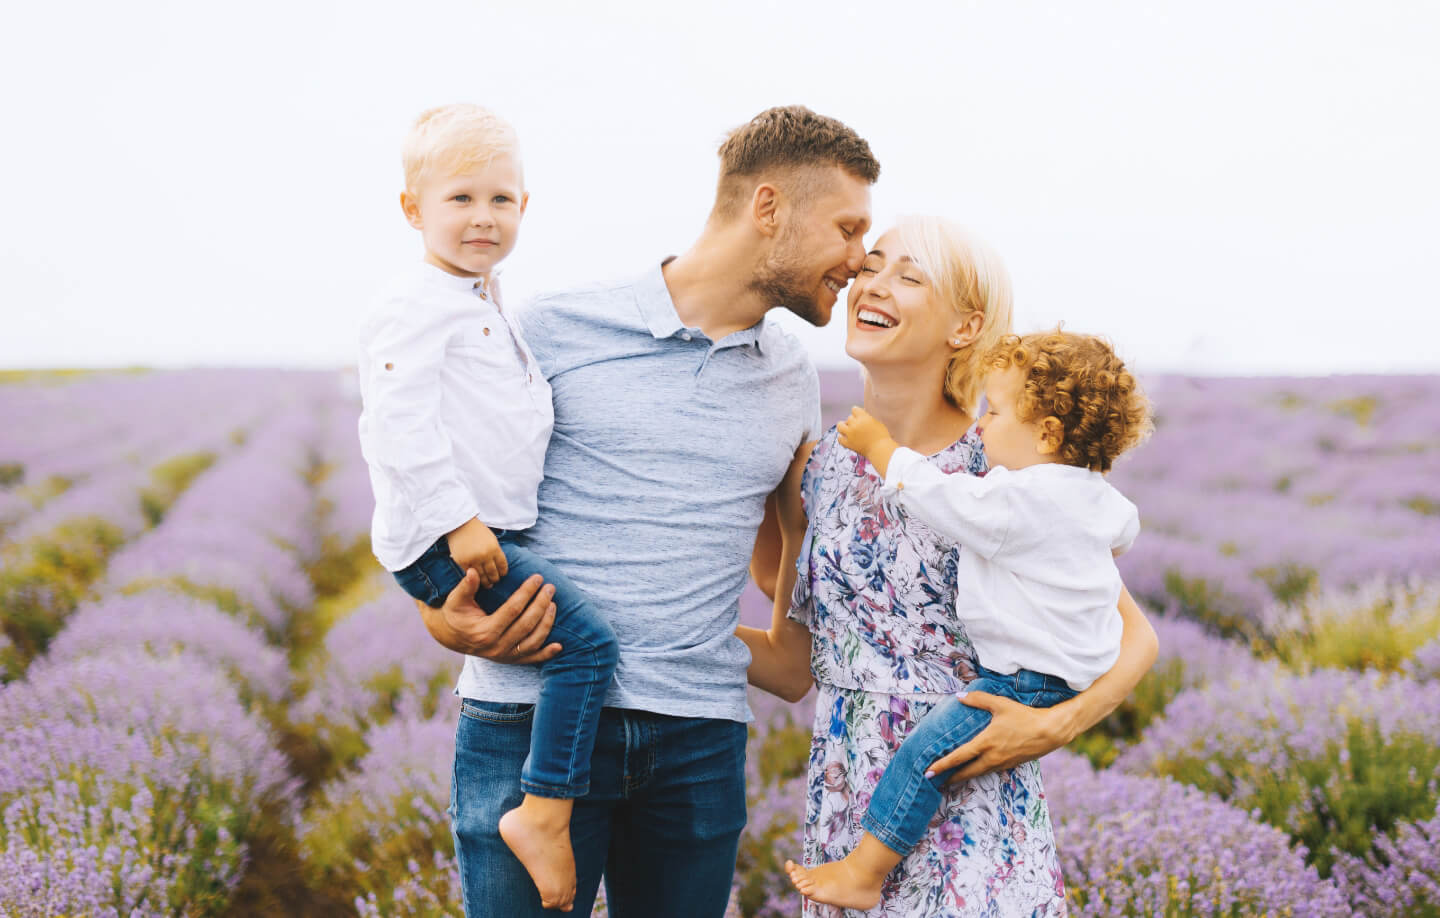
x=841, y=883
x=538, y=832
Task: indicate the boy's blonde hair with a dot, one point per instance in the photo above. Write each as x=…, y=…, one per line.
x=1079, y=381
x=968, y=276
x=451, y=139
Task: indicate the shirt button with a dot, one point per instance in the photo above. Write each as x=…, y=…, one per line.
x=900, y=486
x=685, y=335
x=487, y=331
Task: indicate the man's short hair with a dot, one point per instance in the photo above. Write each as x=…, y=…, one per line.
x=786, y=141
x=452, y=139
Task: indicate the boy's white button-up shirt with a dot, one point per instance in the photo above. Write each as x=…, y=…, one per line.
x=1037, y=583
x=456, y=414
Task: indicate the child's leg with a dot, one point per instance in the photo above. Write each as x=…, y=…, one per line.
x=562, y=735
x=905, y=800
x=431, y=577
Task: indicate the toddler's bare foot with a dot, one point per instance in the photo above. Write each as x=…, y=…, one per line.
x=840, y=883
x=542, y=843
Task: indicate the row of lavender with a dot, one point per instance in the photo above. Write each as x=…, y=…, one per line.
x=140, y=767
x=1179, y=822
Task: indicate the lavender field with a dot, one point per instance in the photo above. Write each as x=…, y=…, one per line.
x=213, y=702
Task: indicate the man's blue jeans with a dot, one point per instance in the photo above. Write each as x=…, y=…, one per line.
x=905, y=800
x=662, y=820
x=575, y=680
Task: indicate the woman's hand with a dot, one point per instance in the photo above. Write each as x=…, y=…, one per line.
x=1016, y=734
x=513, y=633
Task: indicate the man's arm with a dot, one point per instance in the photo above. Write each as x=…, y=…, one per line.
x=1018, y=734
x=780, y=655
x=513, y=633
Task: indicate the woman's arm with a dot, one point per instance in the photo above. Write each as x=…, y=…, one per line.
x=765, y=557
x=780, y=655
x=1018, y=734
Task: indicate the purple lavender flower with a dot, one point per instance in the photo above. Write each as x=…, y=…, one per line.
x=167, y=624
x=1400, y=877
x=377, y=662
x=1149, y=846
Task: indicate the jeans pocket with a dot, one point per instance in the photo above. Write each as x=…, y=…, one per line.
x=497, y=712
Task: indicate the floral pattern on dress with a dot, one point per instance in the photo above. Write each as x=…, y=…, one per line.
x=876, y=588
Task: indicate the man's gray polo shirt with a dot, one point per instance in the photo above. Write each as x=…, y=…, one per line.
x=666, y=445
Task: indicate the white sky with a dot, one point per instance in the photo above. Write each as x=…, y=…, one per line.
x=1221, y=187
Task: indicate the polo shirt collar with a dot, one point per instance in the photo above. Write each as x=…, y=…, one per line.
x=658, y=309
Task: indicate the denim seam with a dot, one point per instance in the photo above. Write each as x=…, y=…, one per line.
x=576, y=764
x=883, y=833
x=434, y=592
x=555, y=791
x=455, y=822
x=491, y=717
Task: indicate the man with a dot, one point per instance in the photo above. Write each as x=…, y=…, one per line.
x=678, y=410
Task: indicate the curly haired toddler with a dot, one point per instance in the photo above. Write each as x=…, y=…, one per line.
x=1037, y=582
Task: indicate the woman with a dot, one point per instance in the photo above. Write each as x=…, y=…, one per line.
x=870, y=615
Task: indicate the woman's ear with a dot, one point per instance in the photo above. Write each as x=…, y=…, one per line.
x=1052, y=436
x=965, y=333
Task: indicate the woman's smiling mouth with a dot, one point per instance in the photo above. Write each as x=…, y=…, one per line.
x=869, y=317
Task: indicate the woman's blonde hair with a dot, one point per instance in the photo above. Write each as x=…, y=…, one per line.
x=968, y=276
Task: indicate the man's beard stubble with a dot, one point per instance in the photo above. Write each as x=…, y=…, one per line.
x=781, y=284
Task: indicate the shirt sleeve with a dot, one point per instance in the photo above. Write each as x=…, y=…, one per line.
x=408, y=444
x=1129, y=531
x=972, y=511
x=816, y=426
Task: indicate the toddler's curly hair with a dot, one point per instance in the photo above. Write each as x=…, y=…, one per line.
x=1079, y=381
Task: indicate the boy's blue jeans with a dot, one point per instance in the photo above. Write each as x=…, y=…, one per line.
x=575, y=680
x=905, y=800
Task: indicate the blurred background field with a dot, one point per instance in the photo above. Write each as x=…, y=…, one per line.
x=215, y=703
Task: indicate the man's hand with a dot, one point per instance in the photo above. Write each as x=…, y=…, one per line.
x=868, y=437
x=474, y=545
x=513, y=633
x=1016, y=734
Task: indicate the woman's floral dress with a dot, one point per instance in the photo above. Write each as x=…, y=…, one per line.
x=876, y=588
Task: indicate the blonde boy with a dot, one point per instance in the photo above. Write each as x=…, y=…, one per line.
x=455, y=425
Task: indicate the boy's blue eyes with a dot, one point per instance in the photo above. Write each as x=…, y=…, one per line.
x=465, y=199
